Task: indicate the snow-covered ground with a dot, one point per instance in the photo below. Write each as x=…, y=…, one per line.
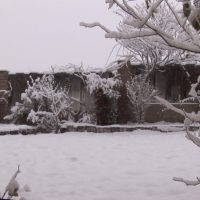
x=86, y=166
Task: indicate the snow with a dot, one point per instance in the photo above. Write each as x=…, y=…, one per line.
x=85, y=166
x=95, y=82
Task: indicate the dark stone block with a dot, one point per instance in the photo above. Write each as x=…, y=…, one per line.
x=99, y=129
x=81, y=129
x=69, y=128
x=14, y=132
x=115, y=129
x=107, y=129
x=92, y=129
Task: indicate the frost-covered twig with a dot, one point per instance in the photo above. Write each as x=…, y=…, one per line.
x=187, y=182
x=95, y=24
x=150, y=12
x=11, y=181
x=188, y=41
x=193, y=138
x=4, y=95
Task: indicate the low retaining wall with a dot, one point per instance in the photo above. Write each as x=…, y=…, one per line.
x=118, y=128
x=23, y=130
x=15, y=130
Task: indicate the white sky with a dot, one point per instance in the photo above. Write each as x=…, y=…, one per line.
x=36, y=34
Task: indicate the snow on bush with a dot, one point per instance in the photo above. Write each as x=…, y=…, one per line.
x=44, y=103
x=140, y=92
x=105, y=91
x=95, y=82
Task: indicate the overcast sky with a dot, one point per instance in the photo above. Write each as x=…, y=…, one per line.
x=36, y=34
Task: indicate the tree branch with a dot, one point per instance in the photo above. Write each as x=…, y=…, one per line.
x=150, y=13
x=187, y=182
x=193, y=138
x=95, y=24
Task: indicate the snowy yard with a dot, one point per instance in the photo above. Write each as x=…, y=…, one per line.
x=86, y=166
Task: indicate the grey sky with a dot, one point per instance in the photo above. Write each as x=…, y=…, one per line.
x=36, y=34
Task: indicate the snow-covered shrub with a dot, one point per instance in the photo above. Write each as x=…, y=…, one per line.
x=105, y=108
x=105, y=93
x=140, y=92
x=44, y=103
x=94, y=82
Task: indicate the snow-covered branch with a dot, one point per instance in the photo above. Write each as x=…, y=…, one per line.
x=12, y=185
x=193, y=138
x=194, y=117
x=95, y=82
x=151, y=10
x=187, y=40
x=95, y=24
x=187, y=182
x=4, y=94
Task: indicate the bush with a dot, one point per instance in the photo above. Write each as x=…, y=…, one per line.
x=44, y=103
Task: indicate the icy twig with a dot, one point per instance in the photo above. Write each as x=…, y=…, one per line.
x=193, y=138
x=187, y=182
x=11, y=181
x=95, y=24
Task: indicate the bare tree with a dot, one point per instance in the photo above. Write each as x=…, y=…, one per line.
x=182, y=34
x=140, y=91
x=144, y=26
x=148, y=50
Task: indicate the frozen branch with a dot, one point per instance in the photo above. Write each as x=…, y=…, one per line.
x=189, y=41
x=195, y=117
x=136, y=34
x=95, y=24
x=11, y=181
x=187, y=182
x=170, y=106
x=193, y=138
x=4, y=94
x=150, y=13
x=110, y=3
